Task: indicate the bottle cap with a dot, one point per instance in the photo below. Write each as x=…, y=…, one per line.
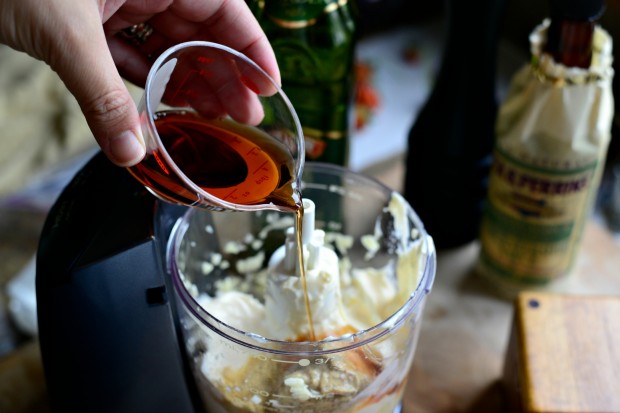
x=577, y=10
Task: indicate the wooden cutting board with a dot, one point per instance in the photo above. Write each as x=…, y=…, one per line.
x=564, y=354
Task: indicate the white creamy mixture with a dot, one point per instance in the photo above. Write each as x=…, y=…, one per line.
x=343, y=300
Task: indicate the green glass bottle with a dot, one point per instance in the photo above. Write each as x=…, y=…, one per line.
x=314, y=42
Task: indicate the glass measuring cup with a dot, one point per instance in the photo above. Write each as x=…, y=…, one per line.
x=238, y=362
x=219, y=132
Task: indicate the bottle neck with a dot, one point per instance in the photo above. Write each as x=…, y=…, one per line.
x=570, y=42
x=468, y=71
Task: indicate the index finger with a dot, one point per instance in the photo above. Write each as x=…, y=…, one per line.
x=227, y=22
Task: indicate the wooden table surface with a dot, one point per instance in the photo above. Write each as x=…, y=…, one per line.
x=460, y=355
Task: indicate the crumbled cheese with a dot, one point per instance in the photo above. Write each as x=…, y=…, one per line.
x=334, y=226
x=216, y=258
x=342, y=242
x=372, y=245
x=299, y=389
x=276, y=222
x=207, y=267
x=227, y=284
x=234, y=247
x=251, y=264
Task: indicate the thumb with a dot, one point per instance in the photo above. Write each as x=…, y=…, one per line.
x=91, y=76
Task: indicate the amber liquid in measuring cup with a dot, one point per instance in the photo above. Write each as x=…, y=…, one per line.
x=233, y=162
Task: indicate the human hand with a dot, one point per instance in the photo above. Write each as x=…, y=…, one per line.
x=81, y=41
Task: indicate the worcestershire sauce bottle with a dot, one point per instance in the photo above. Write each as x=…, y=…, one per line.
x=553, y=131
x=451, y=140
x=314, y=42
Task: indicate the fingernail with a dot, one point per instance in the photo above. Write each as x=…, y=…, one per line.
x=127, y=149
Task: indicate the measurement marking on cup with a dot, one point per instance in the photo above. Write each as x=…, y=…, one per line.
x=204, y=59
x=229, y=194
x=261, y=167
x=286, y=406
x=280, y=408
x=282, y=396
x=302, y=362
x=266, y=394
x=182, y=84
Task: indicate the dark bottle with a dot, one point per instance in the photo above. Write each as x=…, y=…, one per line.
x=569, y=37
x=451, y=140
x=314, y=42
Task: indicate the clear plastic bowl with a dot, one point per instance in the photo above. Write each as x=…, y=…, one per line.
x=238, y=370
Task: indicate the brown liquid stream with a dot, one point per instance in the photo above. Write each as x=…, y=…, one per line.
x=299, y=217
x=233, y=162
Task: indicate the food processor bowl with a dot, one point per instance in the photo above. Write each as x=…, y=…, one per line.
x=386, y=268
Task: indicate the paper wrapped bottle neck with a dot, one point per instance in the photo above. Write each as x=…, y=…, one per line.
x=547, y=69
